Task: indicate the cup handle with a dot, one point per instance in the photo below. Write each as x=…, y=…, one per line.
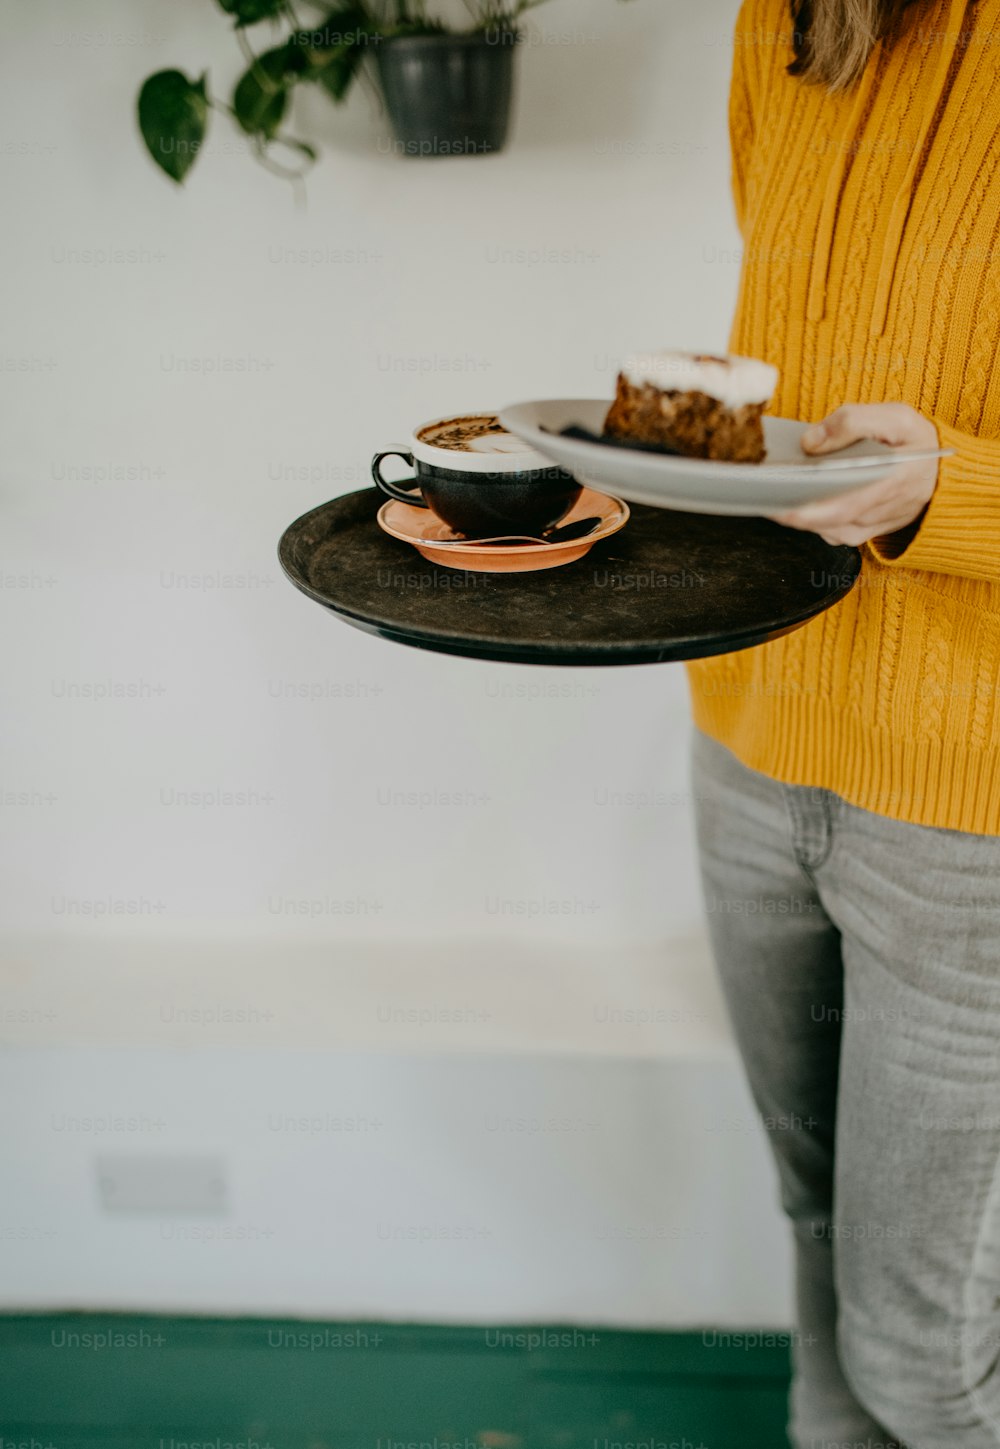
x=393, y=489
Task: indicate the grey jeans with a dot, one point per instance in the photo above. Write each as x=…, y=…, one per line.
x=860, y=958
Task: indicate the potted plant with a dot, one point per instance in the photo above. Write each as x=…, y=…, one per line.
x=447, y=91
x=449, y=94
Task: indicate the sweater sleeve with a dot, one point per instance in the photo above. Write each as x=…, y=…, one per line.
x=741, y=109
x=959, y=532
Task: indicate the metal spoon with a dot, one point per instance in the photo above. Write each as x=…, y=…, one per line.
x=566, y=534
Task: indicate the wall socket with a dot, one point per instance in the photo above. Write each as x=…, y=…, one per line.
x=148, y=1182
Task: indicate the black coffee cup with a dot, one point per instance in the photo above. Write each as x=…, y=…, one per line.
x=490, y=486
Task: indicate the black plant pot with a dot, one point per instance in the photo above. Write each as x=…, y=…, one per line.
x=448, y=95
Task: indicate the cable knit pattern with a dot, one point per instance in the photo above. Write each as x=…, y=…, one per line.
x=954, y=248
x=862, y=227
x=892, y=698
x=933, y=696
x=983, y=350
x=890, y=645
x=984, y=702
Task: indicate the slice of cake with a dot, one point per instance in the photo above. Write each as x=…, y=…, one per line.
x=693, y=404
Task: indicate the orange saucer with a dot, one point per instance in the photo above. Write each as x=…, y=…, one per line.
x=436, y=542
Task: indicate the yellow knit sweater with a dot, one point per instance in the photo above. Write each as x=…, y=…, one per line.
x=871, y=272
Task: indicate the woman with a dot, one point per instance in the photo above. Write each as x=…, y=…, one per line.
x=848, y=775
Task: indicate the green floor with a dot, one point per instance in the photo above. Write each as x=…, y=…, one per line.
x=79, y=1381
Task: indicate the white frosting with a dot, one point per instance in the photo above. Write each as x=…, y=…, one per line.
x=734, y=381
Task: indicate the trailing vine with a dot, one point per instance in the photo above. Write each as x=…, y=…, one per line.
x=328, y=53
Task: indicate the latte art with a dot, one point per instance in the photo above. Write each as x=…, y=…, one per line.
x=479, y=479
x=477, y=434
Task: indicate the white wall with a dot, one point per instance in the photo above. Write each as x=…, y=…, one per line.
x=157, y=589
x=491, y=1138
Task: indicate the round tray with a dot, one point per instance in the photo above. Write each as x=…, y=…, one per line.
x=669, y=586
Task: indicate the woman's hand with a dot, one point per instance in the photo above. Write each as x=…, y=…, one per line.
x=878, y=508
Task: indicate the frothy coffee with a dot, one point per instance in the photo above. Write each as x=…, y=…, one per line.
x=474, y=434
x=479, y=479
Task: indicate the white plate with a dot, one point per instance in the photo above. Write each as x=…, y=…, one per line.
x=786, y=478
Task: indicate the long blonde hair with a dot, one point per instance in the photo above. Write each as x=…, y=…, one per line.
x=835, y=38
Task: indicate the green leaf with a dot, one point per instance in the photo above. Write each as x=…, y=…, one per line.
x=344, y=26
x=303, y=148
x=249, y=12
x=330, y=38
x=261, y=95
x=334, y=48
x=340, y=70
x=173, y=113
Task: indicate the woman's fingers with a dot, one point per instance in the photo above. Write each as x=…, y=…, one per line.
x=896, y=424
x=846, y=507
x=856, y=534
x=885, y=520
x=874, y=501
x=879, y=508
